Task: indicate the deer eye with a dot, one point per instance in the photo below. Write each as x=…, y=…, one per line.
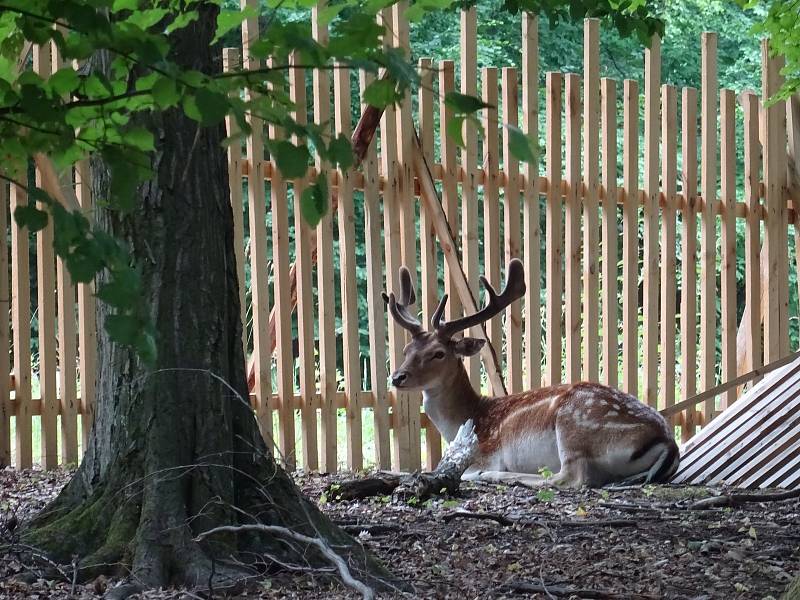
x=439, y=355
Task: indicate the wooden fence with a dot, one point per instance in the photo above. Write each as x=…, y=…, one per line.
x=604, y=303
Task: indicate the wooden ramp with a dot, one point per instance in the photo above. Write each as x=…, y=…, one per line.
x=753, y=444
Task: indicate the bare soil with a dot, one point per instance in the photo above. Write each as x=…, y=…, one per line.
x=495, y=541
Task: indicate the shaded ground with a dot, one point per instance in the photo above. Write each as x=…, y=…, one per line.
x=636, y=543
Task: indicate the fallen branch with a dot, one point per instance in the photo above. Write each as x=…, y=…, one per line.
x=446, y=479
x=344, y=572
x=734, y=500
x=482, y=516
x=524, y=587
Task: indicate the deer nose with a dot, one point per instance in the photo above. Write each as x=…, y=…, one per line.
x=398, y=378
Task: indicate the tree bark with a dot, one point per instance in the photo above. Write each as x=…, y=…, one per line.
x=176, y=450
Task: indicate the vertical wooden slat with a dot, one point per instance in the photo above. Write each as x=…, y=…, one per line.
x=532, y=238
x=554, y=248
x=752, y=234
x=46, y=310
x=409, y=401
x=728, y=279
x=491, y=200
x=283, y=308
x=630, y=237
x=349, y=284
x=5, y=341
x=608, y=112
x=20, y=324
x=326, y=295
x=469, y=166
x=231, y=61
x=67, y=336
x=428, y=259
x=572, y=232
x=258, y=242
x=305, y=292
x=373, y=235
x=511, y=217
x=447, y=84
x=87, y=327
x=689, y=255
x=774, y=146
x=650, y=272
x=591, y=129
x=669, y=176
x=708, y=235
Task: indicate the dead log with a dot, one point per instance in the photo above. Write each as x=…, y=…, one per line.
x=446, y=479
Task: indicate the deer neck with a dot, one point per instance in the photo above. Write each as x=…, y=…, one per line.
x=451, y=402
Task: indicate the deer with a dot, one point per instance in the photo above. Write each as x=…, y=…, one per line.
x=584, y=434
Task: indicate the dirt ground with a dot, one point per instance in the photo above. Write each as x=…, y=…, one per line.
x=635, y=543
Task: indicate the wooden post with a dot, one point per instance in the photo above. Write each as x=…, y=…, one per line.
x=554, y=248
x=689, y=256
x=67, y=334
x=283, y=332
x=591, y=179
x=511, y=223
x=728, y=275
x=46, y=309
x=20, y=324
x=533, y=235
x=650, y=267
x=751, y=319
x=303, y=236
x=492, y=248
x=669, y=176
x=630, y=237
x=373, y=234
x=87, y=327
x=708, y=236
x=258, y=242
x=6, y=409
x=608, y=112
x=776, y=324
x=326, y=293
x=469, y=165
x=348, y=280
x=428, y=258
x=572, y=232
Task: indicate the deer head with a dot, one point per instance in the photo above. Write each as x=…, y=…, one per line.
x=432, y=355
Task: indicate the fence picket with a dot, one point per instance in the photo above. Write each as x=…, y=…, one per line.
x=728, y=263
x=491, y=200
x=630, y=237
x=610, y=242
x=572, y=231
x=511, y=228
x=555, y=242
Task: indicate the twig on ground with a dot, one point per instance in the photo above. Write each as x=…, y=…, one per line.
x=344, y=572
x=485, y=516
x=734, y=500
x=551, y=590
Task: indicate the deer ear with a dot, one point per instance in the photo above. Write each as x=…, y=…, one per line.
x=468, y=346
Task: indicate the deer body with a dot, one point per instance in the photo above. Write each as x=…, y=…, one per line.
x=587, y=433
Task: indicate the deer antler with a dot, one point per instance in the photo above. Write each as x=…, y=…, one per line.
x=399, y=308
x=514, y=288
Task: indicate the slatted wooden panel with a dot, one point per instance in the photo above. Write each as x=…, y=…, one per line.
x=555, y=242
x=6, y=409
x=630, y=236
x=752, y=239
x=753, y=444
x=728, y=246
x=610, y=236
x=572, y=232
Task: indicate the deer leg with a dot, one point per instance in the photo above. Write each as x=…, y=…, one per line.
x=507, y=477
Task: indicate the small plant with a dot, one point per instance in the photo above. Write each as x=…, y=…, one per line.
x=545, y=472
x=545, y=495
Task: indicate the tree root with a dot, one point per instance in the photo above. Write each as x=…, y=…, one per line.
x=734, y=500
x=446, y=479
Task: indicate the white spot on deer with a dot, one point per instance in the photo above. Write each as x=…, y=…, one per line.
x=612, y=413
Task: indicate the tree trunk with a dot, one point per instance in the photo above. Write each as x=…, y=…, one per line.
x=176, y=450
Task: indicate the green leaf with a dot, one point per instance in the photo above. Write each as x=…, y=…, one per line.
x=123, y=290
x=123, y=328
x=341, y=152
x=140, y=138
x=165, y=92
x=454, y=129
x=292, y=161
x=211, y=107
x=31, y=217
x=64, y=81
x=522, y=147
x=314, y=201
x=464, y=104
x=381, y=93
x=228, y=19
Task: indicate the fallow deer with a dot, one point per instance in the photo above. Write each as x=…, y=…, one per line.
x=587, y=433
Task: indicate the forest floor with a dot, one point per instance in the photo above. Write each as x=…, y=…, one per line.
x=496, y=541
